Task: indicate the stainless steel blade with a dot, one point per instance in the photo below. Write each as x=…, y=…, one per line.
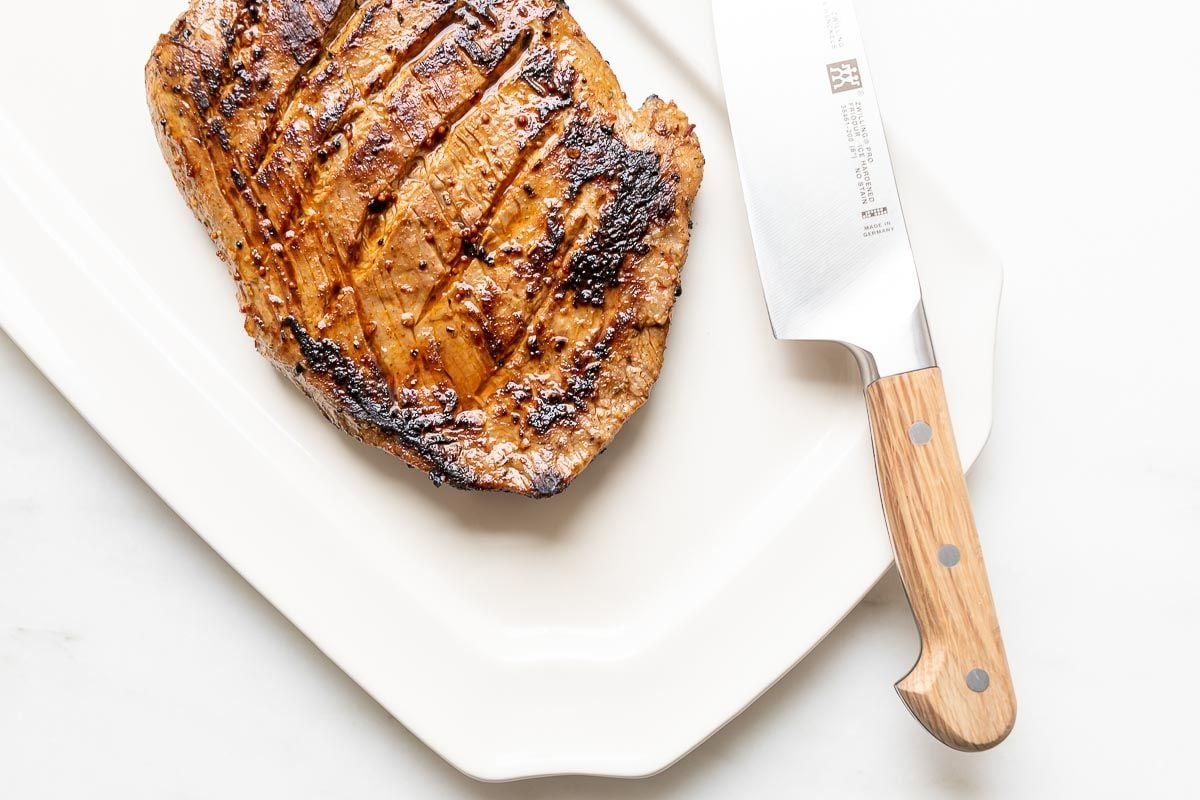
x=828, y=229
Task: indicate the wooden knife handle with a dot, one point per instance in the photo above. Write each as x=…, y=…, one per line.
x=960, y=689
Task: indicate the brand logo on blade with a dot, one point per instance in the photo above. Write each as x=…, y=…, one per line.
x=844, y=76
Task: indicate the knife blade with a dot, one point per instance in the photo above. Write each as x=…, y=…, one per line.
x=836, y=265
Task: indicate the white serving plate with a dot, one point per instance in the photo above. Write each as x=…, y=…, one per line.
x=607, y=631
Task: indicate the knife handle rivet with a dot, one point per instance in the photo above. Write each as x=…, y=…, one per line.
x=949, y=555
x=978, y=681
x=921, y=433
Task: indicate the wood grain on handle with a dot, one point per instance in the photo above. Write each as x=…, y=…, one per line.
x=960, y=689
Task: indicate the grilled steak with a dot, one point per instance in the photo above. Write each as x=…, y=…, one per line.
x=444, y=220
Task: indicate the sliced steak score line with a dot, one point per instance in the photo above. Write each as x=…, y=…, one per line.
x=451, y=200
x=433, y=91
x=446, y=223
x=436, y=81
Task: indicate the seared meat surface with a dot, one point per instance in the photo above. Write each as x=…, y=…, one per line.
x=445, y=222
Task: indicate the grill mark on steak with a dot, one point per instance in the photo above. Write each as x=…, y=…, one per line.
x=534, y=131
x=559, y=406
x=221, y=165
x=384, y=286
x=366, y=20
x=237, y=83
x=644, y=196
x=556, y=241
x=366, y=396
x=447, y=269
x=334, y=70
x=537, y=278
x=411, y=60
x=300, y=36
x=558, y=91
x=270, y=252
x=384, y=162
x=327, y=9
x=228, y=25
x=288, y=20
x=444, y=55
x=444, y=129
x=499, y=347
x=335, y=24
x=304, y=30
x=485, y=59
x=410, y=164
x=590, y=152
x=332, y=269
x=202, y=85
x=286, y=183
x=539, y=261
x=413, y=161
x=227, y=14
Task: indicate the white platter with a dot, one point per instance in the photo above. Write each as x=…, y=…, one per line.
x=607, y=631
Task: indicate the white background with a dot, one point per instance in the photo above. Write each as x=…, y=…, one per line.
x=134, y=663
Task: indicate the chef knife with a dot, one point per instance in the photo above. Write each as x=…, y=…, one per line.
x=836, y=265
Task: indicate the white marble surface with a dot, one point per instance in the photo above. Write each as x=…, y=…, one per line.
x=135, y=664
